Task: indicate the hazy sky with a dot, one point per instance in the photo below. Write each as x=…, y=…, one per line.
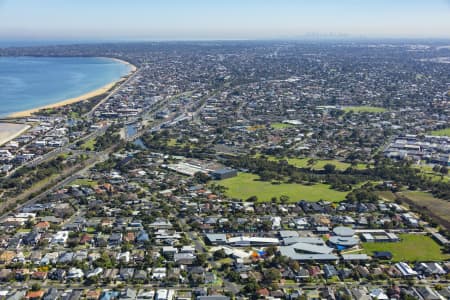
x=221, y=19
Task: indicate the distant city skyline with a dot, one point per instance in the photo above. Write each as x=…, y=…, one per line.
x=231, y=19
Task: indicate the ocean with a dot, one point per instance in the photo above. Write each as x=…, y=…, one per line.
x=31, y=82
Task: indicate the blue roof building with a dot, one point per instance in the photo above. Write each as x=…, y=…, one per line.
x=142, y=237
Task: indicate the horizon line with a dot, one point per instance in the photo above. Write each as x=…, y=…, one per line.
x=291, y=39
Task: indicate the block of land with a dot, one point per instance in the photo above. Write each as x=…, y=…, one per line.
x=412, y=247
x=246, y=185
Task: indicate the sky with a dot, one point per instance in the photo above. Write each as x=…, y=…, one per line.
x=221, y=19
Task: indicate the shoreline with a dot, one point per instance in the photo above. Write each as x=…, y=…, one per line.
x=9, y=131
x=133, y=67
x=83, y=97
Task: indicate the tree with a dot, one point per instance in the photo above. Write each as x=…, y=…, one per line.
x=267, y=225
x=329, y=168
x=252, y=199
x=284, y=199
x=219, y=254
x=104, y=261
x=271, y=250
x=268, y=175
x=233, y=276
x=446, y=249
x=201, y=177
x=294, y=265
x=437, y=168
x=251, y=287
x=201, y=259
x=72, y=243
x=311, y=162
x=272, y=275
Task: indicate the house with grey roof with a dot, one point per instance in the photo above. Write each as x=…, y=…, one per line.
x=311, y=252
x=216, y=238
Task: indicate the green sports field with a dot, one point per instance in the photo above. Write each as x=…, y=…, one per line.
x=246, y=185
x=318, y=164
x=412, y=247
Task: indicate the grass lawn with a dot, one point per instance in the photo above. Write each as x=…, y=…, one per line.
x=91, y=230
x=89, y=145
x=438, y=207
x=74, y=115
x=172, y=142
x=339, y=165
x=386, y=195
x=246, y=185
x=281, y=125
x=319, y=163
x=64, y=155
x=333, y=279
x=442, y=132
x=435, y=176
x=289, y=281
x=369, y=109
x=226, y=260
x=85, y=182
x=218, y=282
x=412, y=247
x=41, y=184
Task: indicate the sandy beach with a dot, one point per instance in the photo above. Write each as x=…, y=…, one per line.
x=9, y=131
x=27, y=113
x=133, y=67
x=87, y=96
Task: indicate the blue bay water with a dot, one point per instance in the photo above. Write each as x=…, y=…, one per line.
x=31, y=82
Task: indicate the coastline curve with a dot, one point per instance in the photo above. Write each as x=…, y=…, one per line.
x=84, y=97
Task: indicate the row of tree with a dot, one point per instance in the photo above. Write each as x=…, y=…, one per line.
x=402, y=173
